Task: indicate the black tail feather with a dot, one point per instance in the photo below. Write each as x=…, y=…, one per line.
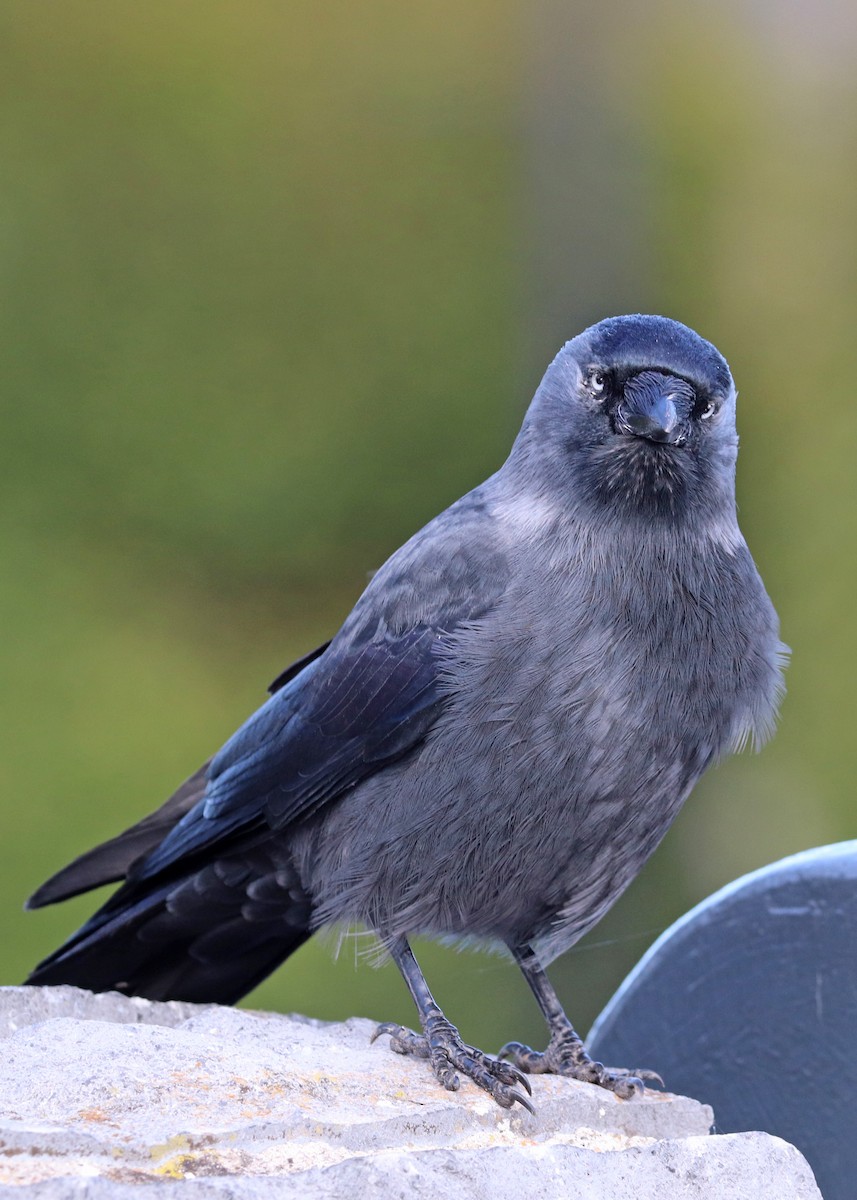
x=209, y=928
x=202, y=937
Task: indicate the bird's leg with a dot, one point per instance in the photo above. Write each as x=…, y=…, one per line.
x=566, y=1053
x=441, y=1043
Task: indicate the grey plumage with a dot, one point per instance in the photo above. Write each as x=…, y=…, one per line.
x=501, y=732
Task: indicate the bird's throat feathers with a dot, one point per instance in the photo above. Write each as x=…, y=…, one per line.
x=627, y=489
x=630, y=479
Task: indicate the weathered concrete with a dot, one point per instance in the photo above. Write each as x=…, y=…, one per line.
x=99, y=1094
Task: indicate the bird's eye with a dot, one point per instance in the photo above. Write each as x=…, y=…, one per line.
x=596, y=381
x=708, y=411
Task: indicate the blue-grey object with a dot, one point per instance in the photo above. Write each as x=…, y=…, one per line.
x=749, y=1003
x=499, y=735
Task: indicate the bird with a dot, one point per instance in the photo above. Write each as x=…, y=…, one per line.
x=498, y=736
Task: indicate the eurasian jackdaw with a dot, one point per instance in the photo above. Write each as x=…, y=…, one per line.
x=499, y=735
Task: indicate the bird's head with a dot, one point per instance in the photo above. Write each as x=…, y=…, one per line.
x=637, y=413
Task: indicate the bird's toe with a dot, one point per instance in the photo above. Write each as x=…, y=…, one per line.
x=534, y=1062
x=566, y=1055
x=449, y=1055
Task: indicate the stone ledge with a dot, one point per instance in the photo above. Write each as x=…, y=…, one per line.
x=99, y=1094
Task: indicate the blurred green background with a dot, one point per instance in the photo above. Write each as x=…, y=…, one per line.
x=278, y=281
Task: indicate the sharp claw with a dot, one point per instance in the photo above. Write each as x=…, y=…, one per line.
x=522, y=1100
x=389, y=1027
x=510, y=1074
x=524, y=1082
x=566, y=1055
x=442, y=1044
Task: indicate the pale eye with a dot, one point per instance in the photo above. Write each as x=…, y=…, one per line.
x=596, y=381
x=709, y=411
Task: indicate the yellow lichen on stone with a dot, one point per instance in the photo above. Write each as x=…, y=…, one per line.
x=175, y=1168
x=178, y=1144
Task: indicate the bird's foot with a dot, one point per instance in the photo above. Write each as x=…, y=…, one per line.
x=441, y=1044
x=566, y=1055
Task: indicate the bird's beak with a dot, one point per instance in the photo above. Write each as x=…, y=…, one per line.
x=655, y=421
x=649, y=408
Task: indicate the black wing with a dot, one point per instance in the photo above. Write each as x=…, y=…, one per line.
x=214, y=903
x=346, y=715
x=343, y=717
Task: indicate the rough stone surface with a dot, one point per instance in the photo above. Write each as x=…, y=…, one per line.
x=100, y=1094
